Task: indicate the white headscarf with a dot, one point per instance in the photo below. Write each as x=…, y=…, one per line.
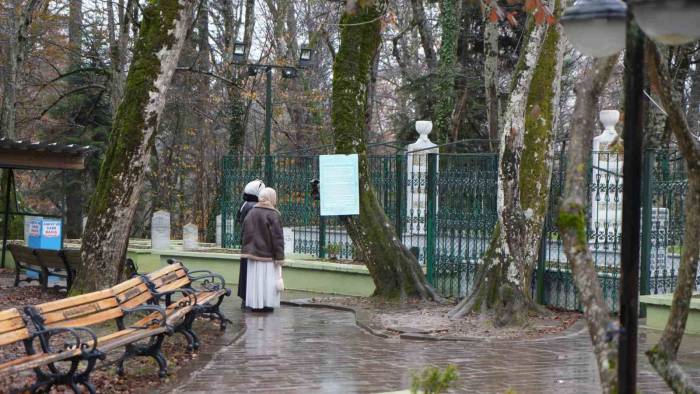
x=268, y=195
x=254, y=187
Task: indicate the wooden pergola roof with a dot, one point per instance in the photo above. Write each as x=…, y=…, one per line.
x=28, y=155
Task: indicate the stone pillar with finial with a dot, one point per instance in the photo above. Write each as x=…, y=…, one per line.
x=416, y=174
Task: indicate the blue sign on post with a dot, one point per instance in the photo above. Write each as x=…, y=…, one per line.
x=45, y=233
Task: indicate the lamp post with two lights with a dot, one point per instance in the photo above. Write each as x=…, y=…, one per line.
x=288, y=72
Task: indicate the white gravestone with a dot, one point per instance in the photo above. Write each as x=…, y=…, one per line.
x=606, y=202
x=288, y=240
x=218, y=231
x=160, y=230
x=190, y=237
x=416, y=174
x=84, y=223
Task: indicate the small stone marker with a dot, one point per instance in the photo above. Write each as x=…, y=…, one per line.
x=84, y=222
x=218, y=230
x=190, y=237
x=288, y=240
x=160, y=230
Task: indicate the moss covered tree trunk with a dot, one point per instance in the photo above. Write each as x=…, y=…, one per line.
x=447, y=72
x=572, y=221
x=112, y=207
x=663, y=356
x=395, y=271
x=525, y=163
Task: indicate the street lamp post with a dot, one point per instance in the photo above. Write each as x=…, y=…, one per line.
x=288, y=72
x=594, y=27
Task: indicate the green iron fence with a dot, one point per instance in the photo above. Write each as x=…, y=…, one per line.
x=444, y=209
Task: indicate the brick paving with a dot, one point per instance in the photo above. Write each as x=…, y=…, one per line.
x=307, y=350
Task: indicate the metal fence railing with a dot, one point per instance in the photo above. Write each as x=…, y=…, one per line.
x=444, y=209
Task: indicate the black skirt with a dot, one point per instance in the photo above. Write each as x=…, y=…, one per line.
x=242, y=277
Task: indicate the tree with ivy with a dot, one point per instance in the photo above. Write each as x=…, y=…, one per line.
x=394, y=270
x=447, y=63
x=504, y=278
x=156, y=53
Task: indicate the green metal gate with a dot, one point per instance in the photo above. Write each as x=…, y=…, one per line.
x=444, y=209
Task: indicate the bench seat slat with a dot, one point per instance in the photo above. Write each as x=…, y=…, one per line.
x=37, y=360
x=206, y=296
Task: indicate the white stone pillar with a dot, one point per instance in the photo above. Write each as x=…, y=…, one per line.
x=606, y=199
x=416, y=174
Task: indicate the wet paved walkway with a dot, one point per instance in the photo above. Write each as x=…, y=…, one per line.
x=307, y=350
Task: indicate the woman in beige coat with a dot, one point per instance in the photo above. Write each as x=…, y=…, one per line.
x=263, y=246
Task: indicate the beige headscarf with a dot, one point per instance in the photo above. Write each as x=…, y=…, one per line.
x=267, y=198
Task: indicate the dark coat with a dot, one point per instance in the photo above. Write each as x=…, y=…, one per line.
x=263, y=238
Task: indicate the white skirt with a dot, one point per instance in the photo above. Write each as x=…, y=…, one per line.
x=261, y=286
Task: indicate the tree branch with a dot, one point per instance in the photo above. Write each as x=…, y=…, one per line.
x=209, y=73
x=66, y=94
x=663, y=356
x=572, y=221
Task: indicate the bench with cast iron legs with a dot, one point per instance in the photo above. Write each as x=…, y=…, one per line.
x=52, y=365
x=113, y=305
x=209, y=289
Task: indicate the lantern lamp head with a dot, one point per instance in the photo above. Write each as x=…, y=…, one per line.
x=596, y=27
x=669, y=22
x=305, y=55
x=239, y=52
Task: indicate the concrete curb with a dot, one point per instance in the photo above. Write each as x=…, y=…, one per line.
x=360, y=318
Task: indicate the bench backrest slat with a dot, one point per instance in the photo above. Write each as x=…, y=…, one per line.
x=132, y=293
x=82, y=310
x=171, y=277
x=23, y=254
x=72, y=257
x=12, y=327
x=50, y=258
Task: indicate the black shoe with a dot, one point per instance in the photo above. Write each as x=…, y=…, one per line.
x=268, y=309
x=243, y=307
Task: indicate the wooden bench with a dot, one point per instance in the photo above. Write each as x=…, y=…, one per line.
x=43, y=357
x=45, y=263
x=209, y=290
x=25, y=260
x=141, y=338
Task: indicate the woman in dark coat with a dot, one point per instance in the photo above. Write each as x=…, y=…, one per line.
x=263, y=245
x=250, y=198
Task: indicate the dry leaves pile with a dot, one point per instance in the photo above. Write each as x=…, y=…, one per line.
x=429, y=318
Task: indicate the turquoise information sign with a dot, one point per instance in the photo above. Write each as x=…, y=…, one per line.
x=339, y=185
